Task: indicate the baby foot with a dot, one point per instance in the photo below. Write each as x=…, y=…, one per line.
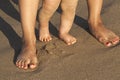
x=68, y=39
x=104, y=35
x=27, y=58
x=44, y=35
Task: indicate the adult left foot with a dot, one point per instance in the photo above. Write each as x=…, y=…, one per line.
x=27, y=58
x=104, y=35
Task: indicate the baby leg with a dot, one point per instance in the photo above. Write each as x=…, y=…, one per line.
x=48, y=8
x=97, y=28
x=27, y=56
x=68, y=13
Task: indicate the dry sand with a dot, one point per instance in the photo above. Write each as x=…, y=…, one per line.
x=85, y=60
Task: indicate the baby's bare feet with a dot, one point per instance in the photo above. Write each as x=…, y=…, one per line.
x=104, y=35
x=67, y=38
x=27, y=58
x=44, y=35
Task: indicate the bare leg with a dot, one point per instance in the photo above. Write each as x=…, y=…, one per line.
x=48, y=8
x=27, y=56
x=67, y=17
x=104, y=35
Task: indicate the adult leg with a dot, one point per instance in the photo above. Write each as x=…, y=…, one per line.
x=104, y=35
x=48, y=8
x=28, y=12
x=67, y=17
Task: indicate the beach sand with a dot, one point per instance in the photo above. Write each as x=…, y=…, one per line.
x=86, y=60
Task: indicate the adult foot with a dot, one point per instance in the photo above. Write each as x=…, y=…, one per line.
x=27, y=58
x=44, y=35
x=67, y=38
x=104, y=35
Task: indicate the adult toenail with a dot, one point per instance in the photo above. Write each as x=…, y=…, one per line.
x=25, y=67
x=108, y=44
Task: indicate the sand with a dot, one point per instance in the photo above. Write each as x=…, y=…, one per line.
x=86, y=60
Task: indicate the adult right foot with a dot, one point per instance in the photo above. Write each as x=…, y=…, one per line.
x=27, y=58
x=104, y=35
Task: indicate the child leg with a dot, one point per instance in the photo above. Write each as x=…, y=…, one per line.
x=27, y=56
x=104, y=35
x=67, y=17
x=48, y=8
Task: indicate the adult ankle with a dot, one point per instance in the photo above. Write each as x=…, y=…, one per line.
x=94, y=23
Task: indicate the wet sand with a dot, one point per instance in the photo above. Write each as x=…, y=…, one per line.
x=86, y=60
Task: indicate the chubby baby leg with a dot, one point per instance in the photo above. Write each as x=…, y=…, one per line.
x=67, y=17
x=48, y=8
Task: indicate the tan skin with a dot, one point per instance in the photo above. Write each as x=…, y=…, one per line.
x=28, y=11
x=28, y=14
x=97, y=28
x=48, y=9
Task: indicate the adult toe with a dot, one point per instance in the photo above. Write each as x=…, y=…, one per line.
x=33, y=63
x=20, y=63
x=108, y=43
x=17, y=62
x=115, y=40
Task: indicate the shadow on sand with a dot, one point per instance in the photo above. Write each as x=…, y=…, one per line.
x=12, y=36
